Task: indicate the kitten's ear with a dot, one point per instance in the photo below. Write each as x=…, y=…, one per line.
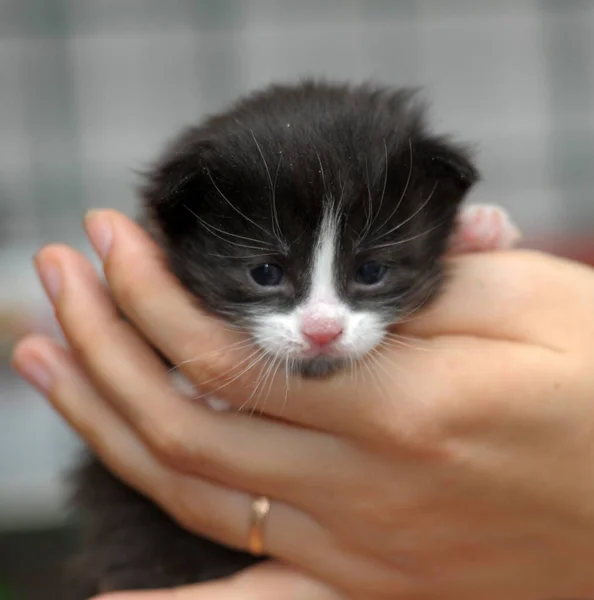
x=448, y=162
x=178, y=176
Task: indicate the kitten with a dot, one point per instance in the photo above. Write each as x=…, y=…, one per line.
x=315, y=216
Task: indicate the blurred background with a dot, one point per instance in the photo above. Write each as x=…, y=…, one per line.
x=90, y=90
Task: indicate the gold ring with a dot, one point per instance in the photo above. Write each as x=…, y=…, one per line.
x=259, y=511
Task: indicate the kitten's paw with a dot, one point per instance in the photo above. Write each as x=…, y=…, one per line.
x=185, y=388
x=217, y=403
x=182, y=385
x=483, y=228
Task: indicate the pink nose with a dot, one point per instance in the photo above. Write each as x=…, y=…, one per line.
x=321, y=332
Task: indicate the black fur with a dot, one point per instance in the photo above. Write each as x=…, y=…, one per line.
x=260, y=175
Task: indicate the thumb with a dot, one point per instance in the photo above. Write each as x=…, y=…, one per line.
x=266, y=581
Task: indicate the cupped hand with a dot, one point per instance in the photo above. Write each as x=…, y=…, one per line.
x=455, y=463
x=266, y=581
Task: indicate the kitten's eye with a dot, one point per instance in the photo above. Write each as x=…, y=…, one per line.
x=371, y=273
x=267, y=275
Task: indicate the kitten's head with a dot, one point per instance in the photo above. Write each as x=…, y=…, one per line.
x=313, y=216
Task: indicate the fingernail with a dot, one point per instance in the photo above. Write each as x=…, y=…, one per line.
x=51, y=279
x=35, y=371
x=99, y=232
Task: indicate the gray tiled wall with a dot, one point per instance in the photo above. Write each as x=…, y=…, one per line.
x=90, y=89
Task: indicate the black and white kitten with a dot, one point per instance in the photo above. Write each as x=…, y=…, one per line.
x=315, y=216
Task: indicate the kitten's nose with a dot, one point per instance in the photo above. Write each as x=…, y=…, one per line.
x=321, y=332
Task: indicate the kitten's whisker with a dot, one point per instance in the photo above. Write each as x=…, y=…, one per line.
x=354, y=369
x=411, y=291
x=258, y=352
x=381, y=202
x=272, y=185
x=237, y=346
x=228, y=325
x=288, y=369
x=410, y=218
x=378, y=364
x=393, y=342
x=369, y=213
x=234, y=207
x=229, y=380
x=257, y=360
x=370, y=363
x=413, y=313
x=264, y=381
x=402, y=336
x=322, y=173
x=407, y=240
x=220, y=233
x=276, y=228
x=269, y=360
x=413, y=316
x=434, y=348
x=342, y=186
x=430, y=283
x=242, y=257
x=410, y=169
x=385, y=180
x=272, y=376
x=351, y=363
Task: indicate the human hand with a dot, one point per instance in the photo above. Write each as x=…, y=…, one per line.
x=266, y=581
x=459, y=467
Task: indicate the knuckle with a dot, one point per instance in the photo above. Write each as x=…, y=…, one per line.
x=421, y=436
x=179, y=505
x=208, y=364
x=89, y=343
x=421, y=425
x=425, y=439
x=199, y=509
x=180, y=445
x=170, y=441
x=135, y=289
x=122, y=283
x=250, y=474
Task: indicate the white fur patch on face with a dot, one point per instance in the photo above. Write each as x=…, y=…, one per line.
x=323, y=272
x=305, y=332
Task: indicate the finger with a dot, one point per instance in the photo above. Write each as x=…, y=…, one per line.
x=268, y=581
x=475, y=386
x=199, y=505
x=518, y=296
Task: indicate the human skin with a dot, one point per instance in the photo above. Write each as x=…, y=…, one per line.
x=456, y=464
